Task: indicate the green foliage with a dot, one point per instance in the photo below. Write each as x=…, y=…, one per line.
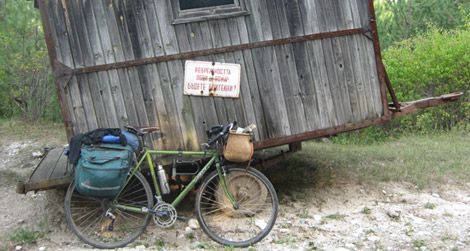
x=432, y=64
x=403, y=19
x=26, y=84
x=26, y=236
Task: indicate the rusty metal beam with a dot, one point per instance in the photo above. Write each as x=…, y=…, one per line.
x=188, y=55
x=415, y=106
x=385, y=81
x=327, y=132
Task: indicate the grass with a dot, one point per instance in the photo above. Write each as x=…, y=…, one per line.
x=423, y=160
x=23, y=130
x=419, y=243
x=430, y=205
x=336, y=216
x=26, y=236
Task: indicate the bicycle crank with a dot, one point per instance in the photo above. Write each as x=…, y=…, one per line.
x=164, y=215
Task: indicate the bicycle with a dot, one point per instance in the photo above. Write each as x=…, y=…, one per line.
x=234, y=206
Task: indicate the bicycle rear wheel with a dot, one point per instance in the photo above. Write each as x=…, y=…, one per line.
x=255, y=216
x=98, y=224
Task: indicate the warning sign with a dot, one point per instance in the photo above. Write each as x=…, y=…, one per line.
x=212, y=79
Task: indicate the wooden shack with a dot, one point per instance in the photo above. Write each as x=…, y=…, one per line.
x=309, y=68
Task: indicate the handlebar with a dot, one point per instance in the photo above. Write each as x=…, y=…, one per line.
x=225, y=129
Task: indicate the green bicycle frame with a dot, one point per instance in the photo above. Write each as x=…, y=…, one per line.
x=147, y=156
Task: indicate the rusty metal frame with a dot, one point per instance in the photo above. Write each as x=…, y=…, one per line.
x=207, y=52
x=327, y=132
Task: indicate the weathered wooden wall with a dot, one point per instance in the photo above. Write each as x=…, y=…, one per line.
x=286, y=89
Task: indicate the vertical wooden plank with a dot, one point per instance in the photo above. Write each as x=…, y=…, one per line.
x=79, y=97
x=178, y=105
x=325, y=24
x=139, y=49
x=92, y=101
x=346, y=64
x=269, y=77
x=357, y=56
x=123, y=91
x=235, y=104
x=312, y=71
x=196, y=102
x=248, y=109
x=64, y=41
x=377, y=109
x=289, y=79
x=102, y=56
x=112, y=50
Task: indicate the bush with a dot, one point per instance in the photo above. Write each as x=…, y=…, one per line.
x=432, y=64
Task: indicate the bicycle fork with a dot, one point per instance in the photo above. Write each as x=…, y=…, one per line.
x=222, y=172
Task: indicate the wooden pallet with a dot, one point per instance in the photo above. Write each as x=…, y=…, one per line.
x=52, y=172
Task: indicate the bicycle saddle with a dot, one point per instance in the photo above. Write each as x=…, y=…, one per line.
x=143, y=130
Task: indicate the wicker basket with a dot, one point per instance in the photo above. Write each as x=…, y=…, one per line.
x=239, y=147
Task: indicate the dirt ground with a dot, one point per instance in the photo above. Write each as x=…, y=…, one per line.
x=343, y=216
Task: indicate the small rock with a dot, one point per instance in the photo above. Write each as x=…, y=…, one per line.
x=341, y=249
x=21, y=221
x=317, y=217
x=423, y=248
x=350, y=246
x=284, y=230
x=42, y=248
x=18, y=248
x=193, y=224
x=188, y=230
x=436, y=195
x=261, y=224
x=384, y=192
x=140, y=248
x=394, y=213
x=373, y=238
x=37, y=154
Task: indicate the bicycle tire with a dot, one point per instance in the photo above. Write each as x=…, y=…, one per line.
x=258, y=211
x=127, y=227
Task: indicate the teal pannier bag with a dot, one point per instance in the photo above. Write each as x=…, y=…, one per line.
x=102, y=170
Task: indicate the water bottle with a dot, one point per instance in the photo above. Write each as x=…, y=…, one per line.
x=164, y=186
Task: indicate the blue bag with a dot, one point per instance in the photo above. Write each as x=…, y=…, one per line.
x=102, y=170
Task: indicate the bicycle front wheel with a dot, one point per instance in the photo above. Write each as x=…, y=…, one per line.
x=96, y=222
x=251, y=221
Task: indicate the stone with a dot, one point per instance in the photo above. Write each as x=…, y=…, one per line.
x=394, y=213
x=37, y=154
x=261, y=224
x=193, y=224
x=373, y=238
x=317, y=217
x=436, y=195
x=140, y=248
x=18, y=248
x=42, y=248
